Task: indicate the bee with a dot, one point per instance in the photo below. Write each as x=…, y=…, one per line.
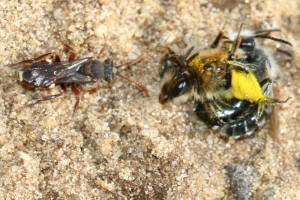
x=231, y=82
x=44, y=74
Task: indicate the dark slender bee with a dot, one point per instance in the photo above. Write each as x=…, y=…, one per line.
x=231, y=82
x=45, y=73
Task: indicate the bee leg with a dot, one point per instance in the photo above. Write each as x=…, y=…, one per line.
x=91, y=90
x=260, y=109
x=76, y=91
x=46, y=98
x=41, y=57
x=73, y=54
x=55, y=57
x=266, y=86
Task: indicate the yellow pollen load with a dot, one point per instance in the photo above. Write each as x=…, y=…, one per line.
x=197, y=64
x=207, y=57
x=244, y=86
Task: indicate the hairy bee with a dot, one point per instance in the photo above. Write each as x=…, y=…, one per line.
x=231, y=82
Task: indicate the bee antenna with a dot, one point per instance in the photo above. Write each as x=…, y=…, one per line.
x=168, y=49
x=224, y=25
x=132, y=62
x=219, y=36
x=265, y=34
x=136, y=83
x=237, y=42
x=286, y=52
x=188, y=52
x=266, y=31
x=273, y=38
x=192, y=57
x=103, y=48
x=182, y=61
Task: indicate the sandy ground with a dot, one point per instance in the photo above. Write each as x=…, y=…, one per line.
x=121, y=144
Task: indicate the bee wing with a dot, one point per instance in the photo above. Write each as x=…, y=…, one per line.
x=67, y=69
x=44, y=74
x=78, y=78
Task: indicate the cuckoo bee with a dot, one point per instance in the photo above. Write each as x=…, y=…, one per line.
x=48, y=71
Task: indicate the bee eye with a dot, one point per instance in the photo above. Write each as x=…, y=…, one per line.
x=180, y=84
x=179, y=87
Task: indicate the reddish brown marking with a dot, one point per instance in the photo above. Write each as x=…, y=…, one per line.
x=136, y=83
x=55, y=57
x=167, y=50
x=76, y=91
x=91, y=91
x=132, y=62
x=73, y=54
x=139, y=85
x=103, y=48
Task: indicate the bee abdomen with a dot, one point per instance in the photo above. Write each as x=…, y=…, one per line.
x=244, y=126
x=234, y=117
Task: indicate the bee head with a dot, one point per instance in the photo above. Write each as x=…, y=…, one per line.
x=108, y=70
x=177, y=79
x=100, y=70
